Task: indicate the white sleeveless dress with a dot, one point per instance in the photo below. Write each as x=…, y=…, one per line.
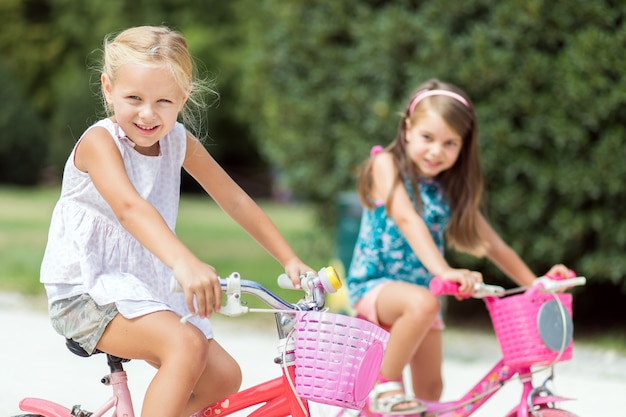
x=88, y=250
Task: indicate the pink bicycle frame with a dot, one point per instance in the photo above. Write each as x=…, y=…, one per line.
x=482, y=391
x=276, y=395
x=486, y=388
x=120, y=399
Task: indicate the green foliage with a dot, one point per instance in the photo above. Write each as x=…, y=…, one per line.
x=329, y=78
x=310, y=86
x=23, y=148
x=53, y=47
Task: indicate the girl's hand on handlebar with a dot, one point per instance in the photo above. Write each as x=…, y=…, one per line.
x=465, y=278
x=560, y=271
x=295, y=268
x=199, y=281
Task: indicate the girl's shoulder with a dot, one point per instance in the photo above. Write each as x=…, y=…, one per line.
x=107, y=123
x=105, y=128
x=100, y=128
x=383, y=163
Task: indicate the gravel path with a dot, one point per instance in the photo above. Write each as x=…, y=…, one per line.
x=36, y=363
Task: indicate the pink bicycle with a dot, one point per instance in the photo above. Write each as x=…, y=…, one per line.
x=324, y=357
x=534, y=328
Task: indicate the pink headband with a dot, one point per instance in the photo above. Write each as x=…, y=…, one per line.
x=427, y=93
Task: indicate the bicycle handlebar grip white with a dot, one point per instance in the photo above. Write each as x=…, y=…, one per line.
x=554, y=285
x=285, y=282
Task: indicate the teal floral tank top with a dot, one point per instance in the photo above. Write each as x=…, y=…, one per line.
x=382, y=253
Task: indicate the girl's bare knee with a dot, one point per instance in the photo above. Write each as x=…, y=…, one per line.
x=431, y=305
x=426, y=308
x=187, y=352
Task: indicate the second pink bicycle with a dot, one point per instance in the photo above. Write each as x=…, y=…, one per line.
x=534, y=328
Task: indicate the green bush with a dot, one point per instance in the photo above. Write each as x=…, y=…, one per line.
x=23, y=148
x=315, y=84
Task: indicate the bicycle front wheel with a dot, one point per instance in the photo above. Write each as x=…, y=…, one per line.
x=551, y=412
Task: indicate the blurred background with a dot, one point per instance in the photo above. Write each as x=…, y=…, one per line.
x=307, y=87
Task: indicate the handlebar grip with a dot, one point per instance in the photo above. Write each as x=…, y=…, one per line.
x=439, y=286
x=285, y=282
x=550, y=284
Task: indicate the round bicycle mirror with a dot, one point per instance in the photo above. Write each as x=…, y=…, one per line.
x=555, y=325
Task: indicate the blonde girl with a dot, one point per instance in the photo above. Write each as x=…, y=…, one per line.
x=112, y=248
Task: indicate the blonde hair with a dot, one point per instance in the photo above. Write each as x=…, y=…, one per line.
x=463, y=182
x=159, y=47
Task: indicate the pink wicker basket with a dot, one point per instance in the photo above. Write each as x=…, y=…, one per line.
x=521, y=329
x=338, y=358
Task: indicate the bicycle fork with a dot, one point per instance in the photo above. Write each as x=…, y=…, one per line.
x=533, y=397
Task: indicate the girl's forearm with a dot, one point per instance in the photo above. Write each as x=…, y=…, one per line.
x=509, y=262
x=146, y=225
x=424, y=247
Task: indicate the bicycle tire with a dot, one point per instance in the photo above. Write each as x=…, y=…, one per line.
x=553, y=412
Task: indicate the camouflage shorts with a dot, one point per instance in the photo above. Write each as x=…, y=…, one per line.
x=81, y=319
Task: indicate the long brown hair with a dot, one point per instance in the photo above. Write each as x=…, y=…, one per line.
x=463, y=182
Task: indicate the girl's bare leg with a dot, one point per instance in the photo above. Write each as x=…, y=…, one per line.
x=221, y=378
x=410, y=310
x=192, y=372
x=426, y=367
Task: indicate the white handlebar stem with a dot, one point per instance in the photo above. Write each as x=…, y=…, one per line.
x=233, y=307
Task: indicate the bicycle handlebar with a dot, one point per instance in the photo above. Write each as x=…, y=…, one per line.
x=439, y=286
x=315, y=286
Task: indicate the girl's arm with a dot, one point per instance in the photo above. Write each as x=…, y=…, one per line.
x=98, y=156
x=240, y=207
x=412, y=225
x=506, y=259
x=502, y=255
